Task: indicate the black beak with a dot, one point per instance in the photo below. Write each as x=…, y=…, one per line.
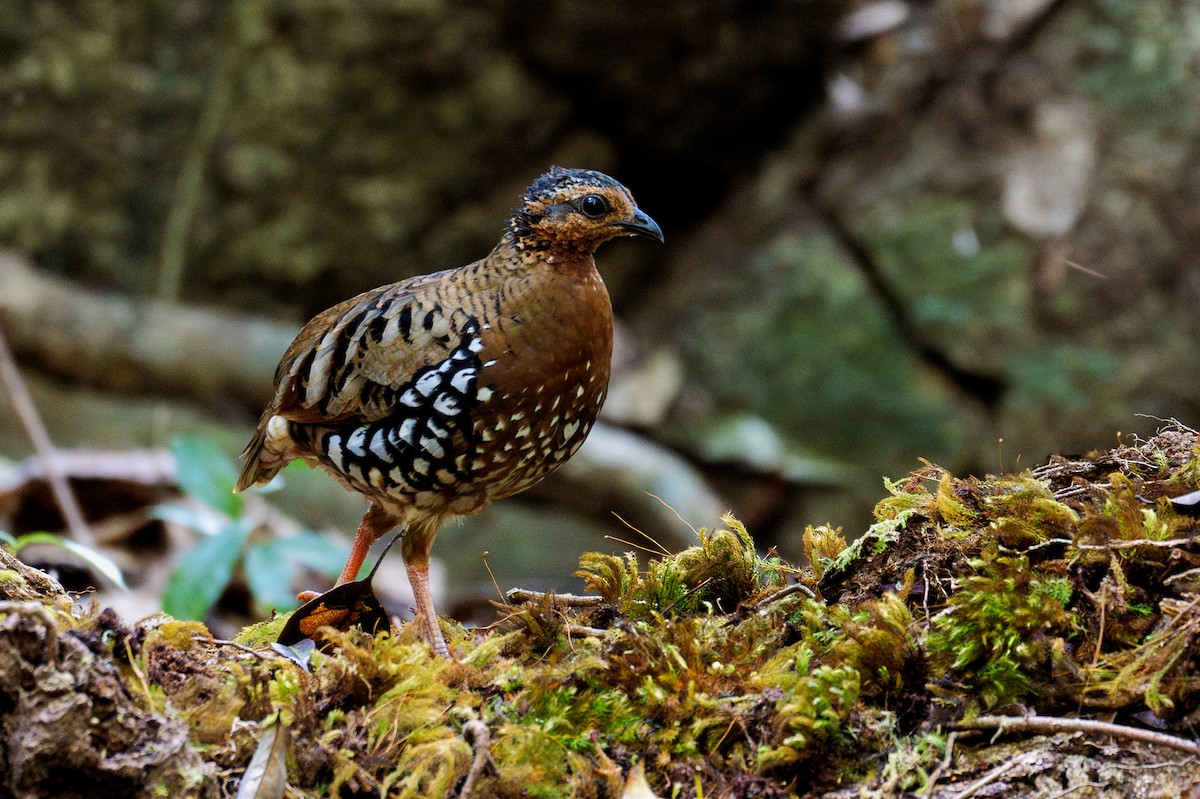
x=640, y=225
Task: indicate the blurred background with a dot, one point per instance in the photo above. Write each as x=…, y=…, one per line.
x=954, y=230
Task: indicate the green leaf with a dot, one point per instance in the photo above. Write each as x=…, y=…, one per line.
x=192, y=516
x=207, y=473
x=319, y=553
x=102, y=564
x=269, y=573
x=271, y=566
x=200, y=577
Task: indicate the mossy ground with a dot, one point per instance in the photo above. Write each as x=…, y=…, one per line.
x=1070, y=589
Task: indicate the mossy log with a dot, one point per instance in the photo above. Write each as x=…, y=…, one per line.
x=1028, y=635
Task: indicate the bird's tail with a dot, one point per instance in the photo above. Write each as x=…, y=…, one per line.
x=258, y=465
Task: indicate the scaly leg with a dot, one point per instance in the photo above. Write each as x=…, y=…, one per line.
x=418, y=576
x=375, y=523
x=415, y=546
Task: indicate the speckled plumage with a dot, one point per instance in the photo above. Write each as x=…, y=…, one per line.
x=439, y=394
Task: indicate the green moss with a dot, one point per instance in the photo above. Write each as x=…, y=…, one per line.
x=1060, y=588
x=999, y=630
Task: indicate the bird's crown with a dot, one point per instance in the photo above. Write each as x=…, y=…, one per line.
x=577, y=210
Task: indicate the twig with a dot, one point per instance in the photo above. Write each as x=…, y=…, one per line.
x=1138, y=542
x=479, y=737
x=993, y=775
x=202, y=639
x=521, y=596
x=943, y=767
x=783, y=593
x=27, y=412
x=189, y=183
x=1049, y=724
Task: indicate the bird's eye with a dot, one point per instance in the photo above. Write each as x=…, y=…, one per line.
x=594, y=206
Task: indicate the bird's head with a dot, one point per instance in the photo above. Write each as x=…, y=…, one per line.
x=577, y=210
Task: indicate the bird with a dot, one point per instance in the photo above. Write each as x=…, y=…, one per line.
x=439, y=394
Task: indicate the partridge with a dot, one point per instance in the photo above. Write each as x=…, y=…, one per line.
x=437, y=395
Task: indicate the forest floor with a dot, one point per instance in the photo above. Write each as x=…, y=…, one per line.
x=1027, y=634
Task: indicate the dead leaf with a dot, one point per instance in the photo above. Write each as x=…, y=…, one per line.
x=341, y=607
x=636, y=786
x=266, y=776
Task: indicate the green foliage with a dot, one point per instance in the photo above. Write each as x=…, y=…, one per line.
x=206, y=474
x=201, y=575
x=722, y=572
x=1000, y=629
x=103, y=565
x=228, y=540
x=1051, y=589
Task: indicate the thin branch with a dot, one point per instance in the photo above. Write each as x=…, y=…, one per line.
x=782, y=593
x=479, y=738
x=189, y=184
x=40, y=439
x=993, y=775
x=521, y=596
x=1048, y=724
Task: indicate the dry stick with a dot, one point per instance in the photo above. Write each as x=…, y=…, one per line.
x=943, y=767
x=521, y=596
x=189, y=183
x=479, y=737
x=1053, y=724
x=42, y=446
x=993, y=775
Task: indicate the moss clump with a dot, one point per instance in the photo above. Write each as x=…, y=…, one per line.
x=722, y=671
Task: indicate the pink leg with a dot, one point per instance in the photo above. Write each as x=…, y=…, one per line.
x=374, y=524
x=415, y=546
x=418, y=575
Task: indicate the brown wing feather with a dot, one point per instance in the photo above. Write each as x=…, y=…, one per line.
x=346, y=363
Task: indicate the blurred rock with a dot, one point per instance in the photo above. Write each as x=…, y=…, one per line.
x=1047, y=185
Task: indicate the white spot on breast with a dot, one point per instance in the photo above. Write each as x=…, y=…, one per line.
x=484, y=394
x=428, y=383
x=432, y=446
x=579, y=392
x=357, y=443
x=524, y=431
x=446, y=404
x=569, y=430
x=462, y=380
x=336, y=455
x=379, y=446
x=476, y=345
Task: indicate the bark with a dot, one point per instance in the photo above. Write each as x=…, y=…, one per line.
x=136, y=346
